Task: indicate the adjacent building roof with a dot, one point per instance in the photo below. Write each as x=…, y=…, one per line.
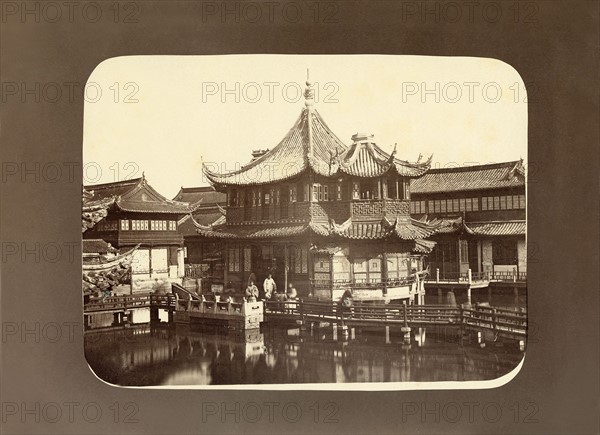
x=502, y=228
x=96, y=246
x=93, y=212
x=187, y=227
x=489, y=228
x=200, y=196
x=466, y=178
x=136, y=195
x=310, y=144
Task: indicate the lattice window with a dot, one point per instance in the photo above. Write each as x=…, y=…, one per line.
x=247, y=259
x=233, y=259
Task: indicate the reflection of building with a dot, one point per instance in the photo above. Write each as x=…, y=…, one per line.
x=322, y=215
x=480, y=215
x=140, y=215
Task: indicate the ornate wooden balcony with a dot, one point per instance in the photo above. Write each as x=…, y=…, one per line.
x=339, y=211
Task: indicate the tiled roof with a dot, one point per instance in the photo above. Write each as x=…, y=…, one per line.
x=310, y=143
x=200, y=196
x=424, y=246
x=186, y=226
x=505, y=228
x=447, y=225
x=361, y=230
x=291, y=156
x=115, y=189
x=93, y=212
x=137, y=196
x=466, y=178
x=403, y=229
x=252, y=232
x=490, y=228
x=413, y=229
x=96, y=246
x=366, y=159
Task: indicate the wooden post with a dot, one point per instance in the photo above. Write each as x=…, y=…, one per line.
x=470, y=276
x=437, y=275
x=406, y=329
x=387, y=334
x=285, y=267
x=384, y=270
x=154, y=317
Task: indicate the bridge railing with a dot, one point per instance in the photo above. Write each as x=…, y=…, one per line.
x=212, y=307
x=480, y=276
x=98, y=303
x=497, y=319
x=444, y=277
x=282, y=307
x=507, y=276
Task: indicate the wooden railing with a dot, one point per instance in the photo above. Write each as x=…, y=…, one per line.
x=115, y=303
x=213, y=307
x=503, y=321
x=508, y=276
x=470, y=277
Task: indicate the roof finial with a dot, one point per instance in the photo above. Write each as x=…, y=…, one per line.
x=309, y=93
x=143, y=175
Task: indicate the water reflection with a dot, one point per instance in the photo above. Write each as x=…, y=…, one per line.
x=147, y=355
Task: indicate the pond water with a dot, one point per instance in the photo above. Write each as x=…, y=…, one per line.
x=167, y=355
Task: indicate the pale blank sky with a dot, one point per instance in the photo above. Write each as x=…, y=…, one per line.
x=183, y=114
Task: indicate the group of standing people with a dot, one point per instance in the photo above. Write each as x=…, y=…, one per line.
x=269, y=290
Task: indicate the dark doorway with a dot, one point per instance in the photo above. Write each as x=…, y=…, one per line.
x=473, y=247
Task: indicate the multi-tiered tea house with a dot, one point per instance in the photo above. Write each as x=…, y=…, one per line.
x=323, y=216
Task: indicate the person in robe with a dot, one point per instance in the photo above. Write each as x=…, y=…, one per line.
x=269, y=287
x=251, y=292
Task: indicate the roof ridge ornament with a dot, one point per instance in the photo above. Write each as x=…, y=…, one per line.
x=309, y=92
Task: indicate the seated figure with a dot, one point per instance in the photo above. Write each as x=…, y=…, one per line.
x=291, y=293
x=251, y=292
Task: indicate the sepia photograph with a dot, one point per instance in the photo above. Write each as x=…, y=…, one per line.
x=305, y=221
x=299, y=217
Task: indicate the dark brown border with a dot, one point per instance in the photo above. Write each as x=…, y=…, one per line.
x=552, y=44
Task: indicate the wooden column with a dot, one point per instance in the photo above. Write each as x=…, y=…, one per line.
x=285, y=266
x=384, y=269
x=310, y=265
x=331, y=273
x=226, y=262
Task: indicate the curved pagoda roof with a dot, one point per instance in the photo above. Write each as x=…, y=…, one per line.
x=365, y=159
x=311, y=145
